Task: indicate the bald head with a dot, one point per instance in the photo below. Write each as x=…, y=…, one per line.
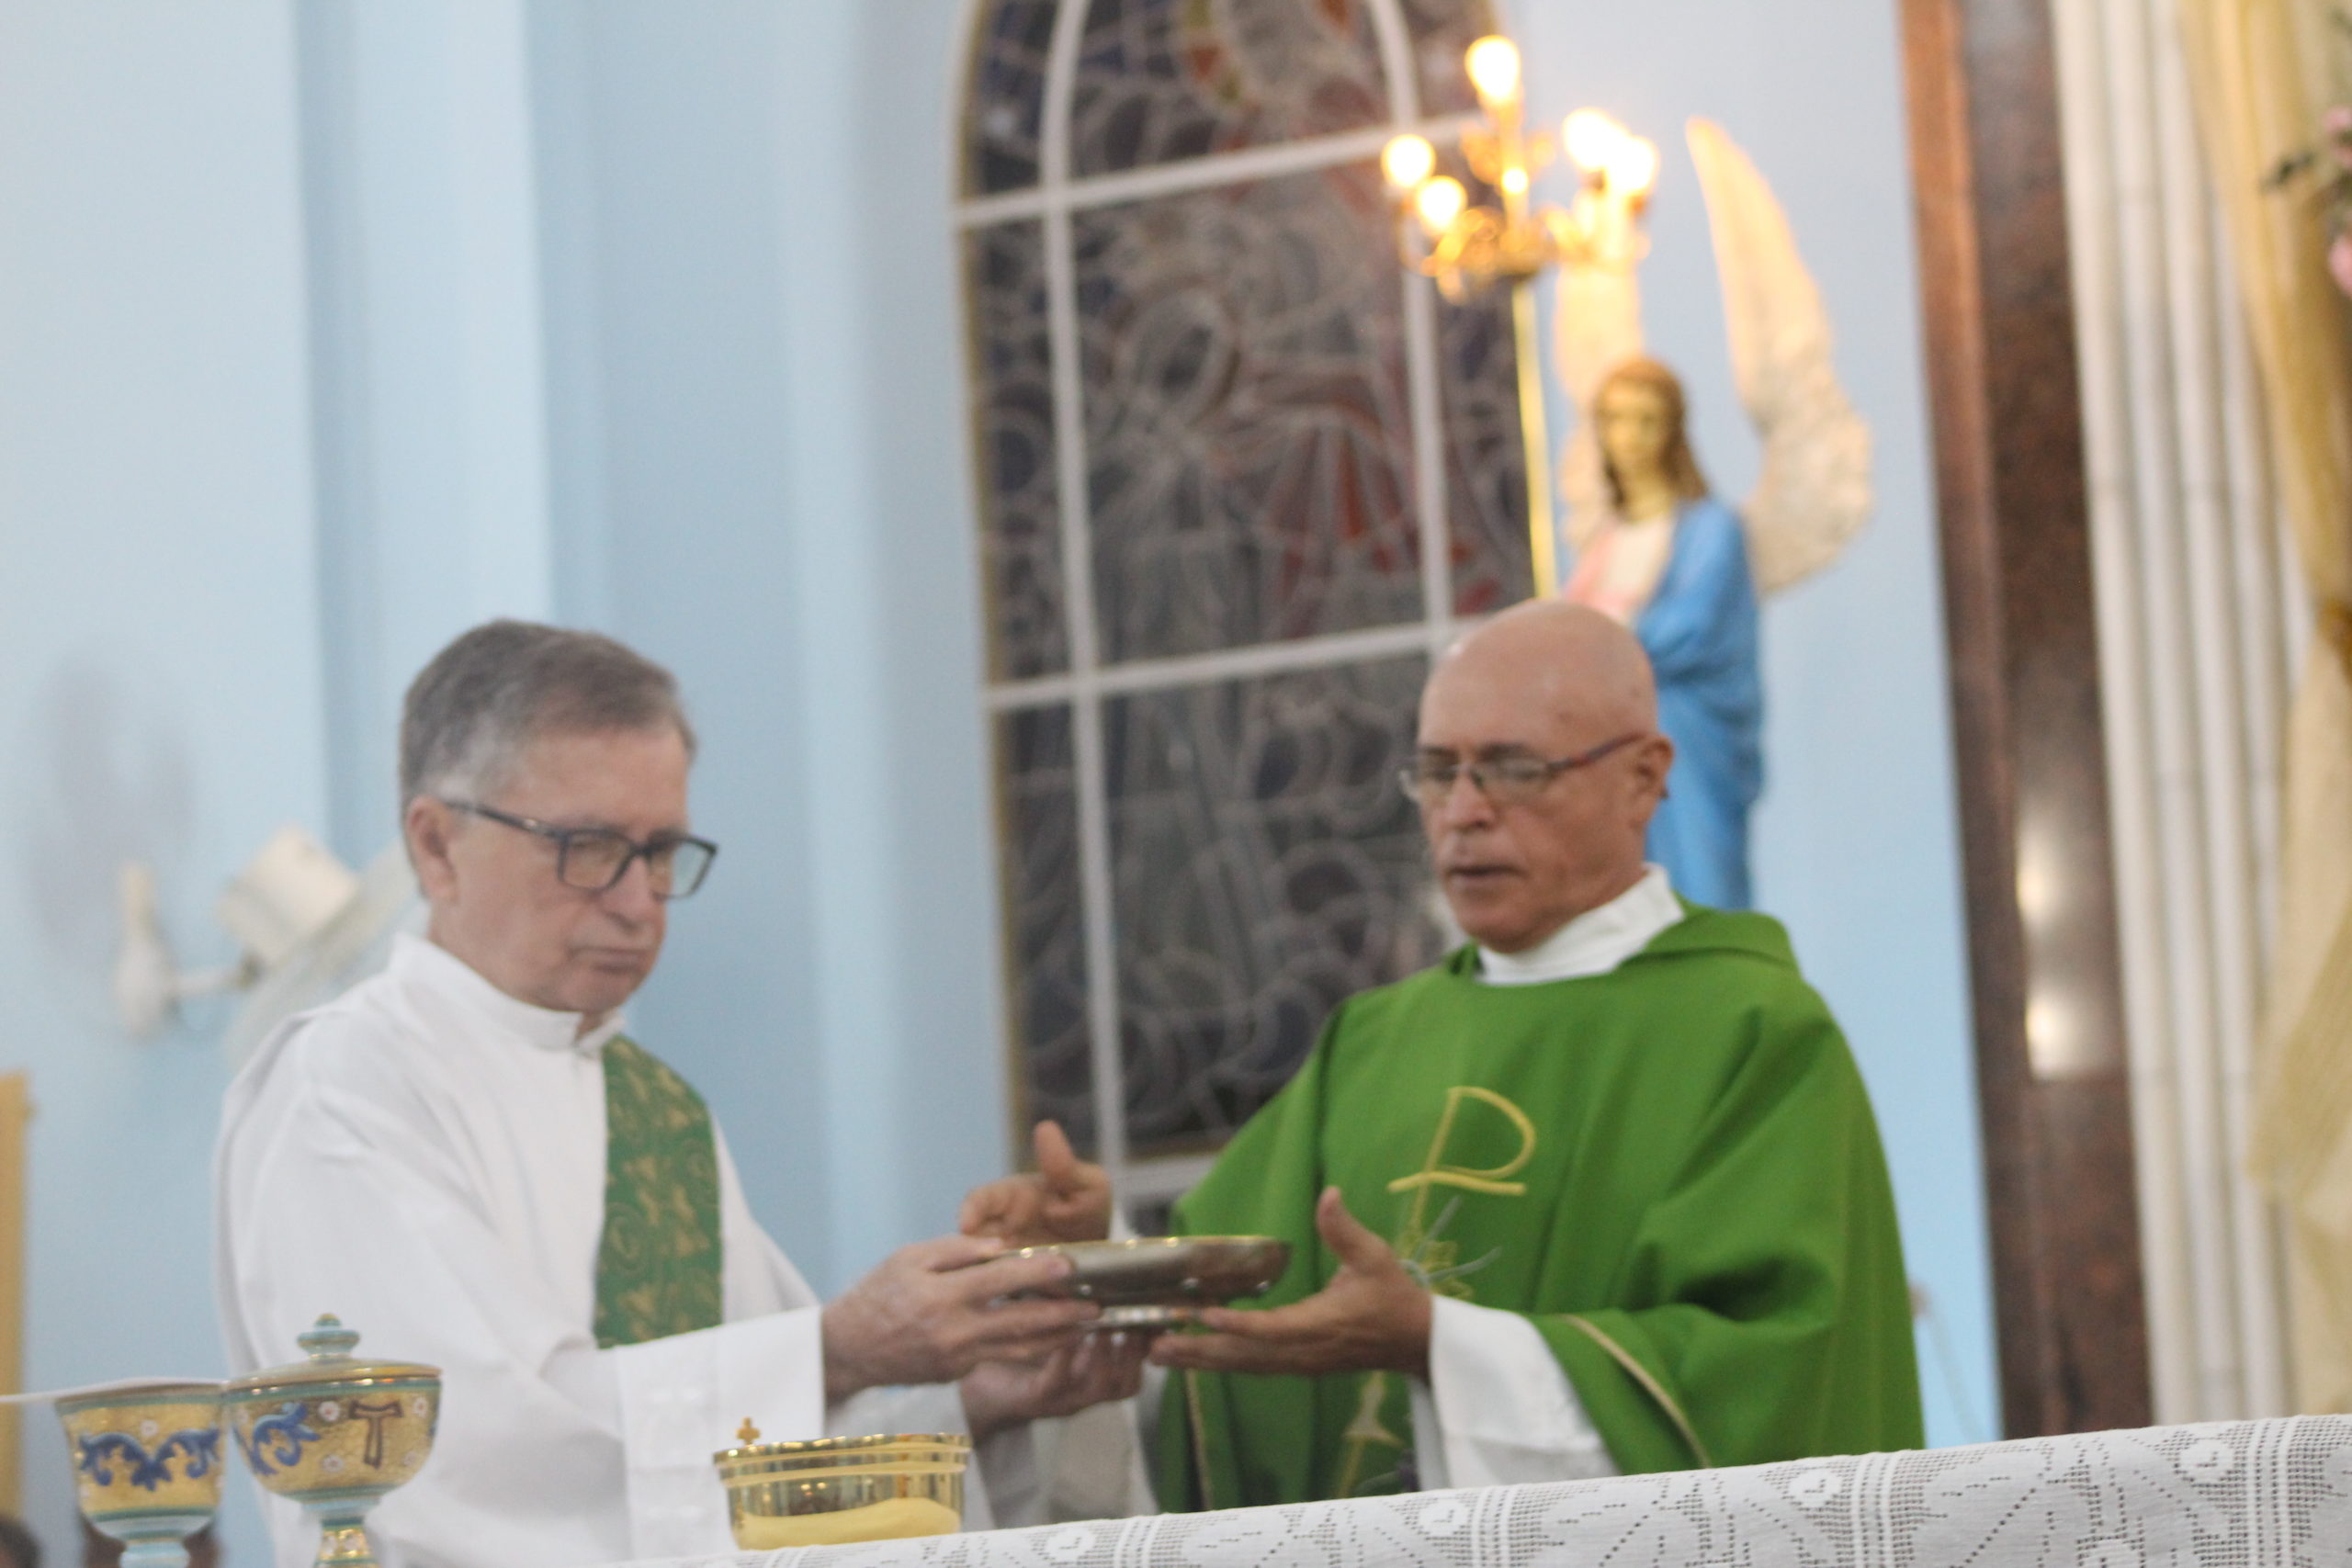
x=1552, y=657
x=1531, y=847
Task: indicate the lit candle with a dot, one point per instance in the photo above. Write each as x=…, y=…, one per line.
x=1493, y=62
x=1406, y=162
x=1633, y=167
x=1439, y=202
x=1592, y=139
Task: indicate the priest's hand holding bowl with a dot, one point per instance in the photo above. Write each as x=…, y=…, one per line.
x=1374, y=1315
x=941, y=1311
x=1094, y=1369
x=1068, y=1199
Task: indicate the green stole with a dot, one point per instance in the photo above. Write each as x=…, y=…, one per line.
x=658, y=1266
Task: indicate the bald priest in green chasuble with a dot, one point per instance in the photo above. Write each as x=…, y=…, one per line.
x=1600, y=1193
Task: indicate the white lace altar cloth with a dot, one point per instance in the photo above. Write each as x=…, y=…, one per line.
x=2235, y=1494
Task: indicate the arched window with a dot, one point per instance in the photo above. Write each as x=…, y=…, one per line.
x=1239, y=477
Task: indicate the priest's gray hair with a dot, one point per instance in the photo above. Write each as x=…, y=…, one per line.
x=504, y=684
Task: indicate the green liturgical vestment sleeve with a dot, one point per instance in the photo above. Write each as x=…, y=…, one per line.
x=1671, y=1169
x=658, y=1267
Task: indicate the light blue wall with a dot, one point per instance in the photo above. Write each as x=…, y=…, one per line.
x=1856, y=841
x=160, y=693
x=331, y=327
x=758, y=434
x=739, y=448
x=427, y=356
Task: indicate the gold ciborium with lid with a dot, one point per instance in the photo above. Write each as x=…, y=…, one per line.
x=335, y=1433
x=829, y=1491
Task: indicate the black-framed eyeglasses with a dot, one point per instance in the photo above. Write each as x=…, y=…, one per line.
x=1512, y=778
x=594, y=859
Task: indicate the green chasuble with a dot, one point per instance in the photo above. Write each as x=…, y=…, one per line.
x=1671, y=1168
x=657, y=1264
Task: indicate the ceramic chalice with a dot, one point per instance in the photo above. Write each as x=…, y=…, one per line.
x=147, y=1465
x=335, y=1433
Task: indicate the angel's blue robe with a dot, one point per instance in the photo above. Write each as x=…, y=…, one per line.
x=1700, y=631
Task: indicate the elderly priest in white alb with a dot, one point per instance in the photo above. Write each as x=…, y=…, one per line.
x=469, y=1159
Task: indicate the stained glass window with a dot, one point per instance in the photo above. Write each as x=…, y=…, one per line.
x=1441, y=31
x=1239, y=477
x=1486, y=464
x=1264, y=864
x=1007, y=95
x=1045, y=936
x=1160, y=80
x=1249, y=440
x=1013, y=427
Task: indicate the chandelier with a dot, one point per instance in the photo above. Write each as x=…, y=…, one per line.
x=1466, y=247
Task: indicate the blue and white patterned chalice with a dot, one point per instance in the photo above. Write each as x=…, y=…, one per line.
x=147, y=1465
x=335, y=1433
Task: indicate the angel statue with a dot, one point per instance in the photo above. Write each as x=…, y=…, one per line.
x=1657, y=551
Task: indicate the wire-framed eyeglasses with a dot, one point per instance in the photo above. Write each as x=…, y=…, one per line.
x=594, y=859
x=1510, y=778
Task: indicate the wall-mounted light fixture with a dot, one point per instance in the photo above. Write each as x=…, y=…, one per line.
x=303, y=922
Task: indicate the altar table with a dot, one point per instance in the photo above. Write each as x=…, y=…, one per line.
x=2234, y=1495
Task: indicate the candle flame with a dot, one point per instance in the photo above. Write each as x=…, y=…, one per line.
x=1406, y=162
x=1493, y=62
x=1592, y=139
x=1439, y=202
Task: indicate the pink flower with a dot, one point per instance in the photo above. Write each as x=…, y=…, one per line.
x=2339, y=260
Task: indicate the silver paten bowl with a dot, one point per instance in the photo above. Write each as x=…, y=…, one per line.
x=1149, y=1281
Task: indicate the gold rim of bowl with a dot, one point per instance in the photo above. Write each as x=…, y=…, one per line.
x=1140, y=1243
x=143, y=1393
x=871, y=1450
x=365, y=1377
x=757, y=1476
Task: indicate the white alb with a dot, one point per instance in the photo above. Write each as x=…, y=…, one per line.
x=424, y=1156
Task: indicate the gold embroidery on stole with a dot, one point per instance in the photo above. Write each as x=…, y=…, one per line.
x=1433, y=1260
x=1493, y=1181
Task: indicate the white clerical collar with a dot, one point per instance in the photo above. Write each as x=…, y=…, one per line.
x=1595, y=942
x=422, y=963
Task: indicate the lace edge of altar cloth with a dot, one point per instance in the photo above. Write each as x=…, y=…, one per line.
x=2274, y=1493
